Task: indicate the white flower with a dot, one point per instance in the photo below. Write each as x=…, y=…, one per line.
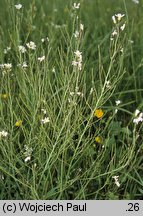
x=76, y=34
x=116, y=178
x=71, y=93
x=27, y=153
x=43, y=40
x=6, y=66
x=22, y=49
x=18, y=6
x=114, y=33
x=79, y=94
x=53, y=70
x=108, y=84
x=40, y=59
x=24, y=65
x=123, y=27
x=76, y=6
x=78, y=60
x=114, y=19
x=138, y=117
x=116, y=110
x=137, y=112
x=122, y=50
x=75, y=63
x=119, y=16
x=1, y=176
x=31, y=45
x=45, y=120
x=6, y=50
x=135, y=1
x=81, y=27
x=28, y=158
x=78, y=53
x=3, y=134
x=91, y=90
x=131, y=41
x=117, y=102
x=44, y=111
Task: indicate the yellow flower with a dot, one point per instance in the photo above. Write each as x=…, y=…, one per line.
x=18, y=123
x=98, y=139
x=98, y=113
x=4, y=96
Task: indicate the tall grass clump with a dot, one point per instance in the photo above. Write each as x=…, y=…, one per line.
x=71, y=107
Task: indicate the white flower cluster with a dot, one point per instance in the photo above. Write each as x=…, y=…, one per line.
x=23, y=65
x=116, y=20
x=118, y=102
x=27, y=153
x=3, y=134
x=7, y=50
x=22, y=49
x=31, y=45
x=6, y=67
x=73, y=93
x=77, y=33
x=138, y=117
x=45, y=119
x=78, y=60
x=136, y=1
x=45, y=39
x=18, y=6
x=42, y=58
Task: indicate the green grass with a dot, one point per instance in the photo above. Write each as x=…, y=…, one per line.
x=66, y=161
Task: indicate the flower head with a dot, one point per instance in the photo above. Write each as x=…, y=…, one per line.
x=22, y=49
x=18, y=123
x=123, y=27
x=138, y=117
x=98, y=139
x=3, y=134
x=28, y=158
x=27, y=153
x=108, y=84
x=7, y=50
x=77, y=62
x=76, y=34
x=45, y=120
x=118, y=102
x=76, y=6
x=98, y=113
x=81, y=27
x=18, y=6
x=31, y=45
x=119, y=16
x=6, y=66
x=116, y=178
x=40, y=59
x=4, y=96
x=114, y=19
x=44, y=111
x=135, y=1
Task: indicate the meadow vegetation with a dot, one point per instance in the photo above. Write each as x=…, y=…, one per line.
x=71, y=104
